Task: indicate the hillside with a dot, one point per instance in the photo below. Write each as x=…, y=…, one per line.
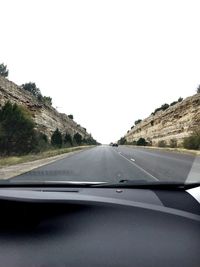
x=46, y=118
x=176, y=122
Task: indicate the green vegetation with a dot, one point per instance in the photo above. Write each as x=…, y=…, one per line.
x=122, y=141
x=137, y=121
x=12, y=160
x=90, y=141
x=3, y=70
x=163, y=107
x=141, y=142
x=193, y=141
x=173, y=143
x=17, y=134
x=162, y=143
x=56, y=139
x=166, y=106
x=32, y=88
x=68, y=140
x=19, y=137
x=47, y=100
x=35, y=91
x=71, y=116
x=198, y=89
x=78, y=139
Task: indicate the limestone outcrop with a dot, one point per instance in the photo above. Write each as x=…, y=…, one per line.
x=176, y=122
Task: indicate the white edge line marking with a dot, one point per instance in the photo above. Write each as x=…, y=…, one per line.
x=140, y=168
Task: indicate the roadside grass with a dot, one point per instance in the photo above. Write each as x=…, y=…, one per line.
x=13, y=160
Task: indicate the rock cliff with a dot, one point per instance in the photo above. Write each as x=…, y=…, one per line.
x=46, y=118
x=176, y=122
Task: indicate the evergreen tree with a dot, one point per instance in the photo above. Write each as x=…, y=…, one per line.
x=3, y=70
x=68, y=139
x=17, y=132
x=56, y=138
x=78, y=139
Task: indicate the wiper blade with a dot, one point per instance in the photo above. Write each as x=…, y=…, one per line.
x=140, y=184
x=21, y=183
x=143, y=184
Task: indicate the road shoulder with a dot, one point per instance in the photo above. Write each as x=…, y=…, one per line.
x=17, y=169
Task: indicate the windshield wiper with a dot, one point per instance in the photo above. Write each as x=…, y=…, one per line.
x=130, y=184
x=143, y=184
x=60, y=183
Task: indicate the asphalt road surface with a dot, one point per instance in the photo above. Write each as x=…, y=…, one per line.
x=112, y=164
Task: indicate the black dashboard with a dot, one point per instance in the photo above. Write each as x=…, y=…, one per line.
x=99, y=227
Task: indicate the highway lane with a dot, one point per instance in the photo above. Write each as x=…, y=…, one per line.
x=105, y=163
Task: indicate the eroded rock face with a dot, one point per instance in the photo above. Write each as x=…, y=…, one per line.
x=47, y=118
x=176, y=122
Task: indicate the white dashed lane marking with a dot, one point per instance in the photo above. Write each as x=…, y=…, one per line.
x=136, y=165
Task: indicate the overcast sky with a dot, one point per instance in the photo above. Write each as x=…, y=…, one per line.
x=108, y=63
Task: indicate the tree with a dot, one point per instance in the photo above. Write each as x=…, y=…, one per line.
x=198, y=89
x=78, y=138
x=173, y=103
x=90, y=141
x=17, y=134
x=141, y=142
x=47, y=100
x=122, y=141
x=3, y=70
x=71, y=116
x=137, y=121
x=68, y=139
x=56, y=138
x=32, y=88
x=180, y=99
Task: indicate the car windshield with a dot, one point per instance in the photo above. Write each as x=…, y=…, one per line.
x=98, y=92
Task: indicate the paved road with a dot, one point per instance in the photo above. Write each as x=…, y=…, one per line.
x=105, y=163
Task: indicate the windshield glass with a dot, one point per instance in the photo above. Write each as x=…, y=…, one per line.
x=99, y=91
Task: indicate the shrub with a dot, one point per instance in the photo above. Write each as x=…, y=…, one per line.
x=41, y=142
x=122, y=141
x=163, y=107
x=173, y=143
x=193, y=141
x=56, y=138
x=141, y=142
x=162, y=143
x=137, y=121
x=90, y=141
x=46, y=100
x=3, y=70
x=32, y=88
x=71, y=116
x=173, y=103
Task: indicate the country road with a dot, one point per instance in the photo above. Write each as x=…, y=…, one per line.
x=111, y=164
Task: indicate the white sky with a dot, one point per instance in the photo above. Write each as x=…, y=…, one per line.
x=108, y=63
